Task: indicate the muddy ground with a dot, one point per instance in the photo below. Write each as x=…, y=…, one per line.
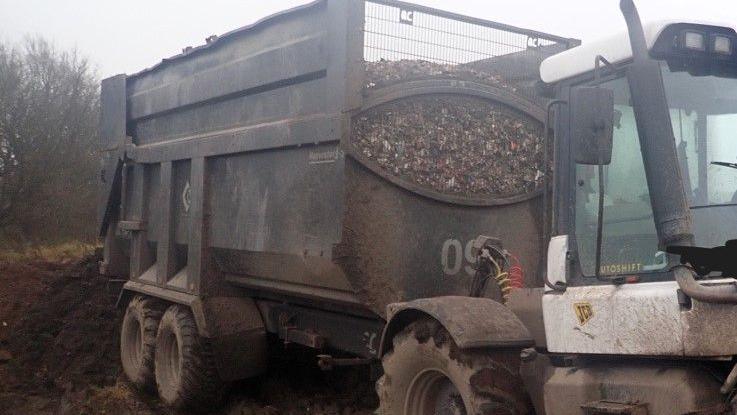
x=59, y=355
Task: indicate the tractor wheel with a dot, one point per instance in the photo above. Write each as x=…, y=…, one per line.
x=138, y=341
x=186, y=376
x=426, y=374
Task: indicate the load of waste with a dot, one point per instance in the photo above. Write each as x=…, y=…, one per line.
x=459, y=145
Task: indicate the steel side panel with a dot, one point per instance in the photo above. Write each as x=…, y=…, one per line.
x=286, y=201
x=287, y=103
x=622, y=318
x=287, y=29
x=276, y=215
x=638, y=319
x=274, y=135
x=284, y=62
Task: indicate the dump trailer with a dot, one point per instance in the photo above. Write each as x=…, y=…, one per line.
x=253, y=186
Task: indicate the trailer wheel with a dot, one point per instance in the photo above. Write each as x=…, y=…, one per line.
x=138, y=341
x=425, y=373
x=186, y=376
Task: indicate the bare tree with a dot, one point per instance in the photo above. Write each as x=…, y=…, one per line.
x=49, y=105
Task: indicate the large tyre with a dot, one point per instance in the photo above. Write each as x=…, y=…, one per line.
x=138, y=341
x=426, y=374
x=186, y=376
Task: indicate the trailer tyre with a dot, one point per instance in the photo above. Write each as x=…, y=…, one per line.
x=138, y=341
x=425, y=373
x=186, y=375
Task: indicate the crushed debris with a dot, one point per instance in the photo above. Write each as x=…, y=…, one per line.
x=456, y=145
x=386, y=73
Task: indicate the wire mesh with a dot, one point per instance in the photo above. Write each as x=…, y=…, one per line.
x=396, y=31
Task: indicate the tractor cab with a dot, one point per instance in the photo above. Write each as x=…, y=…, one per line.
x=639, y=308
x=664, y=183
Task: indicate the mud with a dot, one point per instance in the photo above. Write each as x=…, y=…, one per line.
x=59, y=329
x=59, y=355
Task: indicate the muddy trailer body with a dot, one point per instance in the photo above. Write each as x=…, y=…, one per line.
x=231, y=173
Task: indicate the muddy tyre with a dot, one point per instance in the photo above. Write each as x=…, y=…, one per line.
x=186, y=376
x=425, y=373
x=138, y=341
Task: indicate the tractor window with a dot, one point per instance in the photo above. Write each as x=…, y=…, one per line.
x=703, y=111
x=721, y=185
x=629, y=239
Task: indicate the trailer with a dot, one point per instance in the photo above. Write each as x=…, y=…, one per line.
x=238, y=205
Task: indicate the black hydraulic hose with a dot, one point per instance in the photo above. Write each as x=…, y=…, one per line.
x=724, y=294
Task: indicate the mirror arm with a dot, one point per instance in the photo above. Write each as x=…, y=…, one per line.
x=598, y=65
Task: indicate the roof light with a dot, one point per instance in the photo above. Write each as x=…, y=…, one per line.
x=722, y=44
x=694, y=40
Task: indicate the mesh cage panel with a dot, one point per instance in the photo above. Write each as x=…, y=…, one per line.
x=402, y=31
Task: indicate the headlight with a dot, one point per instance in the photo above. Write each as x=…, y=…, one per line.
x=722, y=44
x=694, y=40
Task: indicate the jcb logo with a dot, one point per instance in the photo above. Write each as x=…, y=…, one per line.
x=584, y=312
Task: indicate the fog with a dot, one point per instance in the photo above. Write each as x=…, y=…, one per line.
x=125, y=37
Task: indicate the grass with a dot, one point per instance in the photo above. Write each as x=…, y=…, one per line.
x=61, y=252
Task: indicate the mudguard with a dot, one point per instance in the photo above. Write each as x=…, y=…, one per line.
x=471, y=322
x=237, y=334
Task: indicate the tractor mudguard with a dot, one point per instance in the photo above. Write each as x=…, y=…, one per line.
x=471, y=322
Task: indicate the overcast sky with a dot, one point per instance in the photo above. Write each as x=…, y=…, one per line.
x=130, y=35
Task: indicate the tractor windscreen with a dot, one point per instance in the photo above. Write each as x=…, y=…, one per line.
x=703, y=111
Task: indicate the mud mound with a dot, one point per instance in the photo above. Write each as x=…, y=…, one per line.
x=118, y=399
x=60, y=330
x=59, y=355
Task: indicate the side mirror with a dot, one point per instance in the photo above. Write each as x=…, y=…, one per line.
x=592, y=125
